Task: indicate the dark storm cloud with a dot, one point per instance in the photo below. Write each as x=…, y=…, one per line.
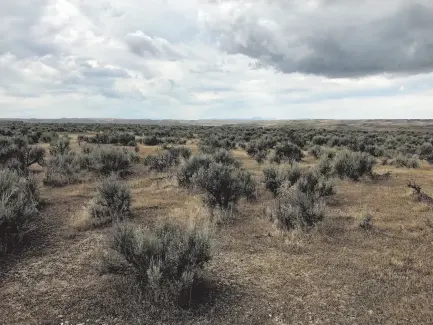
x=334, y=38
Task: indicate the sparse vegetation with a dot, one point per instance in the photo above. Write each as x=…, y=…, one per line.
x=113, y=206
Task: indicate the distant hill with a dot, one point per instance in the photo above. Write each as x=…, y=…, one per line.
x=254, y=120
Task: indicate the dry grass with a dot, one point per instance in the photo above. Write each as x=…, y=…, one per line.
x=337, y=274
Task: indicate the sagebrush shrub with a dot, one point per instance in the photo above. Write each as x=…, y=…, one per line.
x=286, y=152
x=63, y=169
x=224, y=185
x=60, y=146
x=406, y=161
x=112, y=203
x=276, y=176
x=315, y=185
x=316, y=151
x=426, y=151
x=18, y=207
x=259, y=149
x=225, y=157
x=167, y=158
x=191, y=167
x=106, y=160
x=294, y=209
x=15, y=153
x=324, y=166
x=352, y=165
x=168, y=260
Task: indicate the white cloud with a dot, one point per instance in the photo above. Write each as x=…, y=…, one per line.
x=221, y=59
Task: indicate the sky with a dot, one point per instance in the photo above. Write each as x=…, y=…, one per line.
x=219, y=59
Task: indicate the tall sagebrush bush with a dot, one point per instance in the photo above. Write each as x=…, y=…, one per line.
x=191, y=167
x=60, y=146
x=16, y=154
x=168, y=260
x=167, y=158
x=315, y=185
x=112, y=203
x=18, y=207
x=294, y=209
x=224, y=185
x=276, y=176
x=106, y=160
x=286, y=152
x=63, y=169
x=352, y=165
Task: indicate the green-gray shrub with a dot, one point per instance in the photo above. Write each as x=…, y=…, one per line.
x=168, y=260
x=352, y=165
x=112, y=203
x=191, y=167
x=406, y=161
x=225, y=157
x=276, y=176
x=19, y=201
x=106, y=161
x=224, y=185
x=60, y=146
x=166, y=159
x=63, y=169
x=286, y=152
x=315, y=185
x=294, y=209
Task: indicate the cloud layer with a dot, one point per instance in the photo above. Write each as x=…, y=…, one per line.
x=216, y=59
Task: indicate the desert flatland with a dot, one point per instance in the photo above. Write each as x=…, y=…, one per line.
x=309, y=222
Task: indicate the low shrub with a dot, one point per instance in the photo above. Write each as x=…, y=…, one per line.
x=60, y=146
x=286, y=152
x=112, y=203
x=106, y=160
x=316, y=151
x=315, y=185
x=294, y=209
x=18, y=207
x=225, y=157
x=259, y=149
x=224, y=185
x=168, y=261
x=406, y=161
x=352, y=165
x=191, y=167
x=16, y=154
x=276, y=176
x=166, y=159
x=63, y=169
x=324, y=167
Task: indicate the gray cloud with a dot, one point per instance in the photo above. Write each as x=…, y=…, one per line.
x=333, y=38
x=146, y=46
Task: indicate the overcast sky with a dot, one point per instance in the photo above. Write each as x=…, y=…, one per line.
x=190, y=59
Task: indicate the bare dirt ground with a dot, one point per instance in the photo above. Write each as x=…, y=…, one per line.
x=339, y=274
